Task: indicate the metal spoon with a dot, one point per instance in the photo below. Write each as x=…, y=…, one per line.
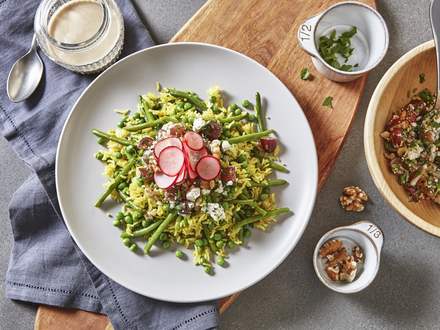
x=434, y=15
x=25, y=74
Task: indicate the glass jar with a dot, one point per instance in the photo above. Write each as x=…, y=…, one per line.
x=84, y=36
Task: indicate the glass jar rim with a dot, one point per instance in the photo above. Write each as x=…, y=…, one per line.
x=80, y=45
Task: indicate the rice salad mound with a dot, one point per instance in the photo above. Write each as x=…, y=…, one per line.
x=224, y=157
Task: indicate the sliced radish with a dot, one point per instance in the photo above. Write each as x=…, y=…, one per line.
x=193, y=140
x=164, y=181
x=192, y=174
x=208, y=168
x=171, y=160
x=182, y=175
x=167, y=142
x=194, y=155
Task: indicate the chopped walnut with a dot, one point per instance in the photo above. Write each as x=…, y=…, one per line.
x=358, y=254
x=340, y=266
x=330, y=247
x=353, y=199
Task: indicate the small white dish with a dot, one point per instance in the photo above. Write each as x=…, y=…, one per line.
x=370, y=42
x=369, y=238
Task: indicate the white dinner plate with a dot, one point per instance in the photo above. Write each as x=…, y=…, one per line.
x=79, y=179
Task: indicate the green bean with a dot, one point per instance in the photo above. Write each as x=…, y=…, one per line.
x=233, y=118
x=257, y=218
x=102, y=141
x=166, y=245
x=210, y=241
x=111, y=137
x=279, y=167
x=145, y=231
x=99, y=155
x=127, y=202
x=271, y=183
x=115, y=183
x=195, y=100
x=133, y=247
x=259, y=112
x=250, y=137
x=146, y=109
x=153, y=123
x=153, y=238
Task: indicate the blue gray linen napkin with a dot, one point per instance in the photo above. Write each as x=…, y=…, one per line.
x=46, y=267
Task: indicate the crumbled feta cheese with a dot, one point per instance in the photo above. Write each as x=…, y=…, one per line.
x=193, y=194
x=215, y=211
x=229, y=183
x=414, y=153
x=226, y=146
x=172, y=204
x=206, y=191
x=165, y=131
x=214, y=146
x=198, y=124
x=220, y=188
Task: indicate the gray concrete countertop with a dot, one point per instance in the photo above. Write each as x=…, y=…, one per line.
x=405, y=294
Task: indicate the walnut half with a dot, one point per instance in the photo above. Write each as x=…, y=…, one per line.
x=353, y=199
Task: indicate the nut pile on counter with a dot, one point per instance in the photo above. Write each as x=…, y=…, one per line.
x=340, y=265
x=353, y=199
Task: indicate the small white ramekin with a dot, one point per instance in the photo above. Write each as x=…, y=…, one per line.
x=367, y=236
x=371, y=27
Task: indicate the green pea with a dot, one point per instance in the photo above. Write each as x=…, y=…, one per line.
x=220, y=261
x=266, y=190
x=145, y=223
x=220, y=244
x=118, y=155
x=233, y=106
x=180, y=106
x=124, y=234
x=187, y=106
x=237, y=111
x=213, y=99
x=252, y=117
x=121, y=124
x=102, y=141
x=166, y=244
x=136, y=115
x=122, y=185
x=133, y=247
x=247, y=104
x=130, y=149
x=99, y=155
x=116, y=223
x=247, y=233
x=205, y=241
x=225, y=205
x=218, y=236
x=180, y=254
x=231, y=245
x=264, y=197
x=208, y=270
x=136, y=215
x=127, y=242
x=128, y=219
x=199, y=242
x=119, y=215
x=163, y=237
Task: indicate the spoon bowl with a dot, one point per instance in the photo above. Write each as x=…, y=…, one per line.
x=25, y=75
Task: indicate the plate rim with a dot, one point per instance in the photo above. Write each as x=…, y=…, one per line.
x=314, y=167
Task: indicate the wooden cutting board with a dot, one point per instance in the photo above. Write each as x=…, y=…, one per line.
x=266, y=31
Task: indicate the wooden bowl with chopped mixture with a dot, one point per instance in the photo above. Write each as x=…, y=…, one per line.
x=402, y=138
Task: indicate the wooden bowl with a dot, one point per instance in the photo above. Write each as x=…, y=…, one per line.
x=390, y=95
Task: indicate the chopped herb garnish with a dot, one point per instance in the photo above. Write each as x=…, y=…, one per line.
x=422, y=78
x=328, y=102
x=426, y=96
x=330, y=47
x=305, y=74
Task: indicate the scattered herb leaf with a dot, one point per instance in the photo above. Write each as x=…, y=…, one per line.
x=328, y=102
x=422, y=78
x=305, y=74
x=330, y=47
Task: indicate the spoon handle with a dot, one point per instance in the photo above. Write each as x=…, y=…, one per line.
x=434, y=15
x=34, y=43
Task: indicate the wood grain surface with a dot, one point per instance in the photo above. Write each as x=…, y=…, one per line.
x=264, y=30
